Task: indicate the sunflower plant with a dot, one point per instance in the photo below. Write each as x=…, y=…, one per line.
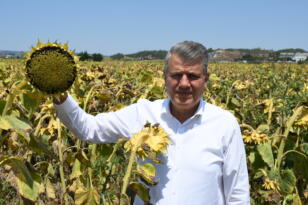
x=147, y=143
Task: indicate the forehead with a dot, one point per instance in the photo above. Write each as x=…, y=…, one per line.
x=178, y=64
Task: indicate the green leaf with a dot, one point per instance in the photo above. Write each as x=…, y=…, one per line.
x=214, y=77
x=4, y=124
x=16, y=123
x=28, y=183
x=296, y=114
x=235, y=102
x=293, y=199
x=104, y=96
x=86, y=196
x=31, y=100
x=304, y=147
x=273, y=174
x=300, y=164
x=37, y=146
x=146, y=76
x=141, y=190
x=147, y=172
x=258, y=174
x=156, y=92
x=265, y=150
x=263, y=127
x=76, y=171
x=50, y=170
x=12, y=122
x=256, y=160
x=287, y=181
x=50, y=191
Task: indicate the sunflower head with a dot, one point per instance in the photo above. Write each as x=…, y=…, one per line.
x=254, y=137
x=51, y=67
x=151, y=140
x=271, y=185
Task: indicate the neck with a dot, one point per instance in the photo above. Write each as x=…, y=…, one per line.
x=182, y=114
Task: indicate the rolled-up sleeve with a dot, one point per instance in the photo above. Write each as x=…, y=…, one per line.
x=102, y=128
x=235, y=175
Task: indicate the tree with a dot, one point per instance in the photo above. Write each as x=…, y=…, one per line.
x=97, y=57
x=148, y=55
x=117, y=56
x=291, y=50
x=248, y=58
x=84, y=56
x=209, y=50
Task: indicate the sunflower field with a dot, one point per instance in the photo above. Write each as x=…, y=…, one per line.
x=41, y=162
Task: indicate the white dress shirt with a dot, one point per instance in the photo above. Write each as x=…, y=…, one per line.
x=205, y=164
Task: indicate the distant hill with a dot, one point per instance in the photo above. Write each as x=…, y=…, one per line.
x=141, y=55
x=215, y=55
x=11, y=54
x=148, y=55
x=292, y=50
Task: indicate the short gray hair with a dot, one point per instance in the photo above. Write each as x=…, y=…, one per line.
x=188, y=50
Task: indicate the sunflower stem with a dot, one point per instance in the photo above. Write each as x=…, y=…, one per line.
x=270, y=112
x=61, y=169
x=10, y=98
x=282, y=145
x=127, y=175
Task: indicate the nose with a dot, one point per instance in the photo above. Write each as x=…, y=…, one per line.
x=184, y=81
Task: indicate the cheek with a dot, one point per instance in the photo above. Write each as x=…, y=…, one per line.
x=170, y=84
x=168, y=88
x=199, y=86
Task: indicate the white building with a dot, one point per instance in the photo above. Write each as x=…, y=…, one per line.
x=300, y=57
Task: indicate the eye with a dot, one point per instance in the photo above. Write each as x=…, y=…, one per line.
x=192, y=76
x=176, y=76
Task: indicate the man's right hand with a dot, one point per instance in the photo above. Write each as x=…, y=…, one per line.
x=60, y=98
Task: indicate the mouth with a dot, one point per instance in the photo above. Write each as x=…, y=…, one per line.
x=184, y=94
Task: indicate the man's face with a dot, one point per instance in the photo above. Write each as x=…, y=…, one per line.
x=185, y=83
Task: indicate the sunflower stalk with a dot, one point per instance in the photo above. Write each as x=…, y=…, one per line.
x=289, y=125
x=270, y=112
x=10, y=98
x=127, y=176
x=61, y=169
x=129, y=169
x=229, y=95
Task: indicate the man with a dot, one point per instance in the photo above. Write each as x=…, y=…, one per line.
x=206, y=162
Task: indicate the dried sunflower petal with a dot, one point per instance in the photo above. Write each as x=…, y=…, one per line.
x=151, y=138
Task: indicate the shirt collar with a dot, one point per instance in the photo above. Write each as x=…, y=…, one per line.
x=199, y=111
x=165, y=107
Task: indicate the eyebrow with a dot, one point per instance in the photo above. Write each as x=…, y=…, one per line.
x=189, y=73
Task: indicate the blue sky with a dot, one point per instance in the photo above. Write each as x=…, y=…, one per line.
x=109, y=27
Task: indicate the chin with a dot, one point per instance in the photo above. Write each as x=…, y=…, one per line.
x=185, y=100
x=184, y=103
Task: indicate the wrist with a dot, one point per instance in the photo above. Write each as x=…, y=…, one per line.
x=60, y=98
